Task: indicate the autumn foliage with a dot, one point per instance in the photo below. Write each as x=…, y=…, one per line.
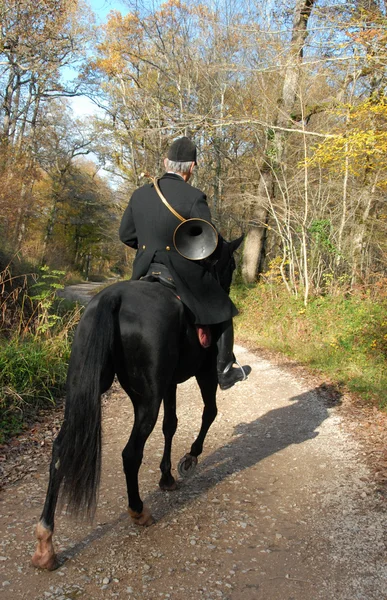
x=287, y=107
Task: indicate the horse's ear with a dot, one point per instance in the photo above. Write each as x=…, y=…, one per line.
x=234, y=245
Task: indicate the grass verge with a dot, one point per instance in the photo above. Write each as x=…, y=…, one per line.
x=343, y=338
x=35, y=337
x=32, y=376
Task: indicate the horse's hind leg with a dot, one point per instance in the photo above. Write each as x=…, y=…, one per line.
x=167, y=481
x=44, y=556
x=146, y=411
x=208, y=383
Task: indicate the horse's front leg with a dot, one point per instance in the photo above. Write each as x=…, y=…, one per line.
x=45, y=557
x=167, y=481
x=208, y=383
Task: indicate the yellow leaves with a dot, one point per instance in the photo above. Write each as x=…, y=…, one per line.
x=121, y=32
x=361, y=142
x=370, y=108
x=202, y=11
x=171, y=12
x=353, y=149
x=112, y=66
x=368, y=36
x=123, y=37
x=173, y=4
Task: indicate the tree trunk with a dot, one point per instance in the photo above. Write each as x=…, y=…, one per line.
x=253, y=257
x=360, y=234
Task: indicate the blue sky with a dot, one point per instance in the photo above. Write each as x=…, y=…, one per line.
x=82, y=106
x=103, y=7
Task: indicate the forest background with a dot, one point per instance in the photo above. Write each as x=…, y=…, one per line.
x=286, y=103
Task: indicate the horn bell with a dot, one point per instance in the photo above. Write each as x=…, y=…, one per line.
x=195, y=239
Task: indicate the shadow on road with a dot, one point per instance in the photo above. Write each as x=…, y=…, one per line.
x=252, y=443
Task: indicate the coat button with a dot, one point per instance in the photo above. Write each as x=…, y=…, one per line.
x=167, y=248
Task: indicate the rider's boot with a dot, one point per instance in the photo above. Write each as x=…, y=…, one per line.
x=227, y=374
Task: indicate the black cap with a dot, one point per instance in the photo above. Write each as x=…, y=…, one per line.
x=182, y=150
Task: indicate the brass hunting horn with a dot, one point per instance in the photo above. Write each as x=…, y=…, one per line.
x=194, y=239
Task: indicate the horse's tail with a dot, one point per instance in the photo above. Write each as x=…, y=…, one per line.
x=80, y=437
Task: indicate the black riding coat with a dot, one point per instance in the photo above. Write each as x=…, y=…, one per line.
x=148, y=226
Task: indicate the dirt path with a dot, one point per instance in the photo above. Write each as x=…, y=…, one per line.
x=282, y=507
x=82, y=292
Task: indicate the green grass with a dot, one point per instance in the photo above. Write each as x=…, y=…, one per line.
x=35, y=331
x=32, y=376
x=343, y=338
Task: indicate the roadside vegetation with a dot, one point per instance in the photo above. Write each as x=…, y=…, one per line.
x=342, y=337
x=35, y=339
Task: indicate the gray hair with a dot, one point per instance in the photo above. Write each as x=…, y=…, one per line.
x=178, y=167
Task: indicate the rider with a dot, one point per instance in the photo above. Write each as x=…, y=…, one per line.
x=148, y=226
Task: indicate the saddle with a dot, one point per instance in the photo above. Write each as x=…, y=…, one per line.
x=160, y=273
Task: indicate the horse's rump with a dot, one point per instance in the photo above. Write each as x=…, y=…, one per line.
x=151, y=329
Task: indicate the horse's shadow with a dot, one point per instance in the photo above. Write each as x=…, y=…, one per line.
x=252, y=442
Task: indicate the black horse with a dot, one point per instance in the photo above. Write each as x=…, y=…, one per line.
x=140, y=332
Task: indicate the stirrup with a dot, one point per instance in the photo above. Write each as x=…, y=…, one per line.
x=233, y=375
x=241, y=368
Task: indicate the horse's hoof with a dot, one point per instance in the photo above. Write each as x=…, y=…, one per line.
x=168, y=485
x=187, y=465
x=143, y=518
x=49, y=563
x=44, y=557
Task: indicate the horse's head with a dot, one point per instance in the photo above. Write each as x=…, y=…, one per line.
x=226, y=264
